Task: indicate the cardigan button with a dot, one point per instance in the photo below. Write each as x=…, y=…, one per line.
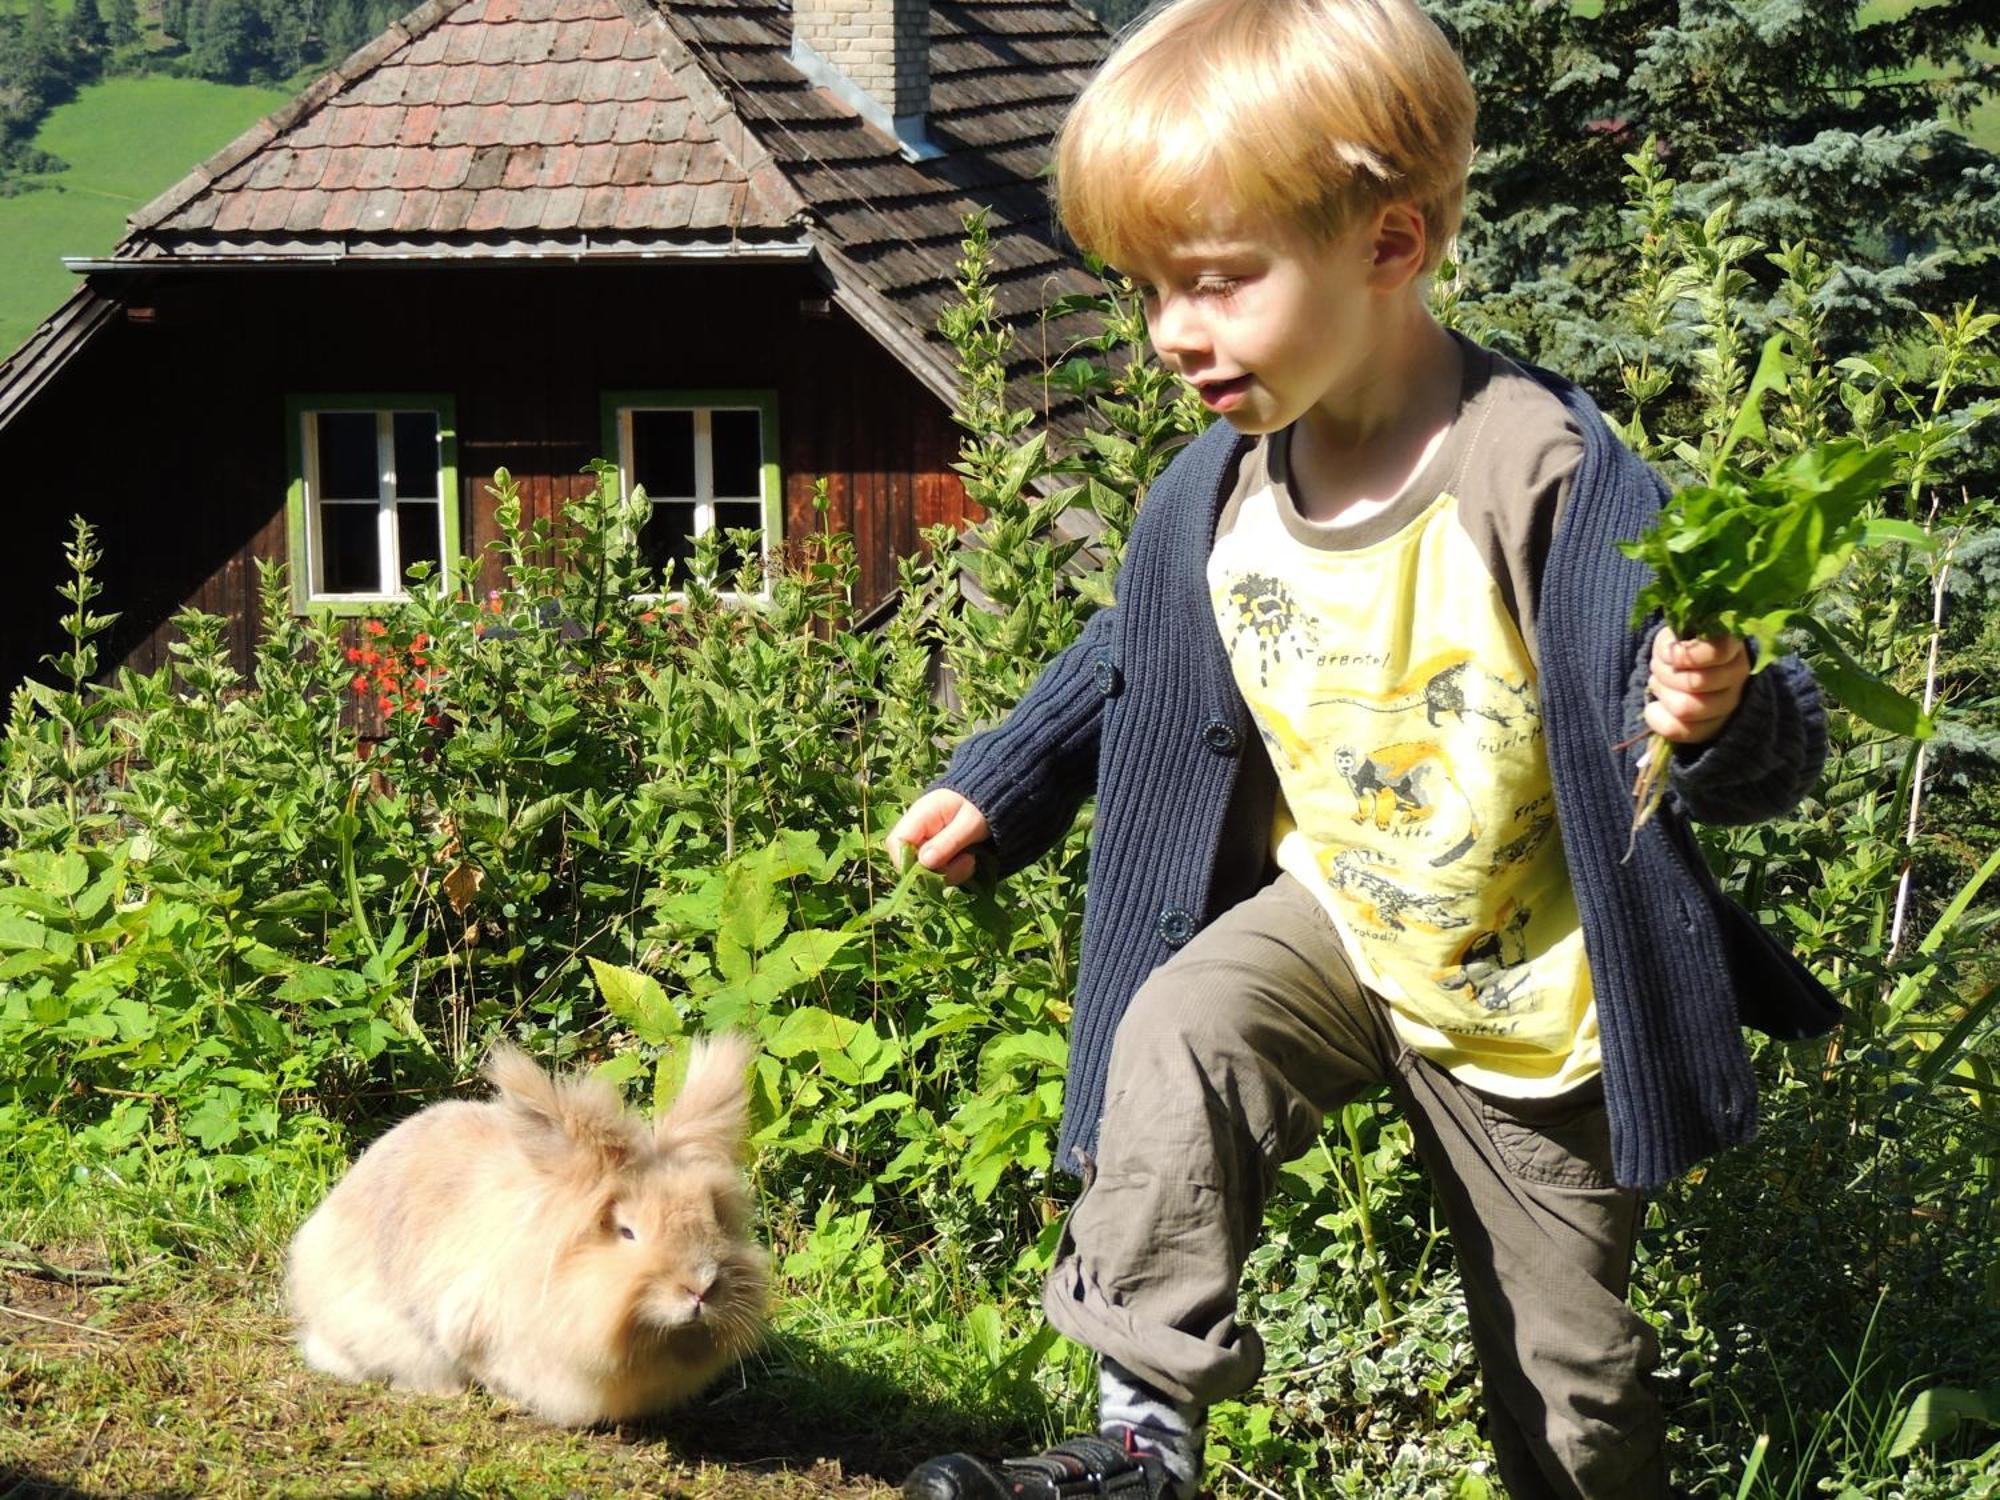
x=1176, y=926
x=1219, y=737
x=1104, y=672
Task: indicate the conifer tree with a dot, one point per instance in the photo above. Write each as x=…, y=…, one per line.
x=122, y=22
x=39, y=68
x=229, y=42
x=346, y=28
x=1833, y=121
x=84, y=30
x=289, y=28
x=38, y=32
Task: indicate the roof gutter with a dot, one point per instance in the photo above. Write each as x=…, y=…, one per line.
x=83, y=265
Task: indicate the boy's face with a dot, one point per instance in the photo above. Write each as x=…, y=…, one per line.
x=1267, y=323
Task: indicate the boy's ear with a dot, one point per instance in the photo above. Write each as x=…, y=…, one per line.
x=1397, y=246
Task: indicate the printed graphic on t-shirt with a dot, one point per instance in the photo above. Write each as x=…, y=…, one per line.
x=1405, y=788
x=1266, y=617
x=1398, y=702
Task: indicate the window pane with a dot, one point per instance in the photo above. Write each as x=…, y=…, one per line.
x=349, y=467
x=739, y=452
x=731, y=516
x=666, y=541
x=416, y=455
x=350, y=561
x=417, y=534
x=663, y=453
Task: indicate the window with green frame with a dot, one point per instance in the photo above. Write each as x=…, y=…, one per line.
x=374, y=490
x=707, y=461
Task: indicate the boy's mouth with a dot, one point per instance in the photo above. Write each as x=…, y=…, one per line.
x=1220, y=394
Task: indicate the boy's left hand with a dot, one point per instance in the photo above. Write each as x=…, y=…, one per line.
x=1695, y=685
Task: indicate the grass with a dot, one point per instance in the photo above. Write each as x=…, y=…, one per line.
x=144, y=1349
x=167, y=1368
x=125, y=141
x=194, y=1388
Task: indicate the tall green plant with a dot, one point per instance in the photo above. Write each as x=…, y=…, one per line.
x=1869, y=1146
x=602, y=812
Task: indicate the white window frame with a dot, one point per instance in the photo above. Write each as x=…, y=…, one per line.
x=307, y=549
x=619, y=410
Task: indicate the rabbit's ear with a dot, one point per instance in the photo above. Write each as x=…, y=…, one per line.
x=577, y=1122
x=711, y=1114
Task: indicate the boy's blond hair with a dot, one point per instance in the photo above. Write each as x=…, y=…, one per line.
x=1304, y=113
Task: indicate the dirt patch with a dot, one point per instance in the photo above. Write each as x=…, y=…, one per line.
x=39, y=1312
x=49, y=1301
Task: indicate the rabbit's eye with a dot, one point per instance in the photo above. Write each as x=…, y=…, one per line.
x=625, y=1232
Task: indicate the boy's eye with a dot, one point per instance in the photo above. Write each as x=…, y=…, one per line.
x=1207, y=286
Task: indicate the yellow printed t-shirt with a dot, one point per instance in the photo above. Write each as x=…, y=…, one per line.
x=1390, y=666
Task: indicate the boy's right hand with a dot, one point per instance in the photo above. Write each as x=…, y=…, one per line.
x=943, y=826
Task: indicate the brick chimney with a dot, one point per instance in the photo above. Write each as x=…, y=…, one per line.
x=875, y=55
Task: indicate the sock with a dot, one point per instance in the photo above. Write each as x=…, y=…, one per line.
x=1146, y=1420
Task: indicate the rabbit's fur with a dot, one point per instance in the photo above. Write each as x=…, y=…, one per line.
x=548, y=1244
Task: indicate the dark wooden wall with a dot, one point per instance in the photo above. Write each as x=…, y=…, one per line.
x=169, y=435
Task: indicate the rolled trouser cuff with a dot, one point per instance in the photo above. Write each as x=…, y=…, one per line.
x=1200, y=1369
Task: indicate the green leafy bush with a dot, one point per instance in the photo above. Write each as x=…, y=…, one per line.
x=237, y=939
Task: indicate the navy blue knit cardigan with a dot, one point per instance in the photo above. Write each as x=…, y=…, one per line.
x=1143, y=711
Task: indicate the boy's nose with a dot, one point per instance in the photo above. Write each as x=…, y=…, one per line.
x=1175, y=330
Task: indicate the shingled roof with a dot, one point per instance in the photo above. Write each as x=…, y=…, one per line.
x=487, y=128
x=1002, y=74
x=504, y=120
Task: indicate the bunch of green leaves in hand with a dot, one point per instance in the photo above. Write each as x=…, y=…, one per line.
x=1744, y=554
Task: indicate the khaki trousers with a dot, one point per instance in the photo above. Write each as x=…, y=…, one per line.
x=1231, y=1056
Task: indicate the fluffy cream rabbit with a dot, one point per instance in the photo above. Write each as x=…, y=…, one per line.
x=547, y=1244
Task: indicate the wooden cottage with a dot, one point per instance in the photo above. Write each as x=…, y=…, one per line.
x=707, y=241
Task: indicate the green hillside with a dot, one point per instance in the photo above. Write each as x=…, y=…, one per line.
x=125, y=141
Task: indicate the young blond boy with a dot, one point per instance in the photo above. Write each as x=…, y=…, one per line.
x=1360, y=728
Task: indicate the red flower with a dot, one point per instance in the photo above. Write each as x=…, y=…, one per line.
x=420, y=642
x=375, y=627
x=354, y=653
x=388, y=704
x=432, y=719
x=411, y=706
x=649, y=617
x=360, y=684
x=369, y=657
